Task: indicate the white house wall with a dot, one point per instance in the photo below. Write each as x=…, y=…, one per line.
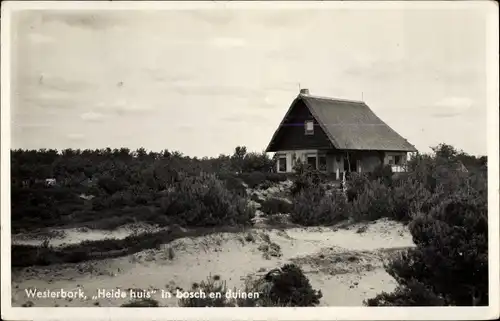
x=332, y=165
x=367, y=163
x=295, y=154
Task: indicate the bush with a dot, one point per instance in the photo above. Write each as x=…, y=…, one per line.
x=314, y=207
x=305, y=178
x=211, y=285
x=204, y=201
x=414, y=294
x=408, y=199
x=253, y=179
x=257, y=162
x=373, y=203
x=356, y=185
x=275, y=205
x=450, y=258
x=284, y=287
x=235, y=185
x=290, y=287
x=382, y=173
x=276, y=177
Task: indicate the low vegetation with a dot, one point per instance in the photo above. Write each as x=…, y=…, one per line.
x=448, y=214
x=274, y=205
x=442, y=198
x=313, y=206
x=106, y=188
x=283, y=287
x=449, y=265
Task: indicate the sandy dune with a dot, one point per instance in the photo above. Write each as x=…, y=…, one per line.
x=68, y=236
x=345, y=264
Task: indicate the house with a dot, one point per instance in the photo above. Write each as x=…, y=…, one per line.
x=336, y=136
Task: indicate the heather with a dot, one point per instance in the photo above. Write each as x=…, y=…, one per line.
x=441, y=200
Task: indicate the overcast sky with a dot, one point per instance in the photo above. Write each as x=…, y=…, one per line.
x=205, y=81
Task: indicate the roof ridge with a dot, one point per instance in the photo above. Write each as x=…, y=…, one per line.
x=333, y=99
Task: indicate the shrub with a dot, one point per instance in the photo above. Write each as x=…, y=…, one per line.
x=305, y=178
x=211, y=285
x=253, y=179
x=356, y=185
x=204, y=201
x=276, y=177
x=408, y=199
x=414, y=294
x=265, y=185
x=290, y=287
x=382, y=173
x=257, y=162
x=275, y=205
x=373, y=203
x=450, y=258
x=314, y=207
x=235, y=185
x=284, y=287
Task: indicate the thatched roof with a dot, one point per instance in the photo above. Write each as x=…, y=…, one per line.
x=352, y=125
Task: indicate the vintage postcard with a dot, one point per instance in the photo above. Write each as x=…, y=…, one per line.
x=305, y=160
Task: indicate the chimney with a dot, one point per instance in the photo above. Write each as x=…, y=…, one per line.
x=304, y=91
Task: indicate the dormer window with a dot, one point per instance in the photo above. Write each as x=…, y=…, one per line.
x=309, y=127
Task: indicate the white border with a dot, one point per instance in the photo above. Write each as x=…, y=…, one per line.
x=318, y=313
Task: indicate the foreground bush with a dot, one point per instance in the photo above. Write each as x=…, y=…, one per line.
x=289, y=286
x=314, y=207
x=450, y=262
x=205, y=201
x=284, y=287
x=211, y=285
x=413, y=294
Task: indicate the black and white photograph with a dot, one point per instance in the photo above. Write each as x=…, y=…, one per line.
x=250, y=155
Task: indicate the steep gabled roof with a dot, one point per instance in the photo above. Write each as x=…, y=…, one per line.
x=352, y=125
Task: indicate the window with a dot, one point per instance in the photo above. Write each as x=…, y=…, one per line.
x=282, y=164
x=309, y=127
x=311, y=161
x=391, y=160
x=322, y=163
x=397, y=159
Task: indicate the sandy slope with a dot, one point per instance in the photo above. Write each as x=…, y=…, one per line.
x=344, y=264
x=62, y=237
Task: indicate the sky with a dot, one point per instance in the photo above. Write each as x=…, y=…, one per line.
x=205, y=81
